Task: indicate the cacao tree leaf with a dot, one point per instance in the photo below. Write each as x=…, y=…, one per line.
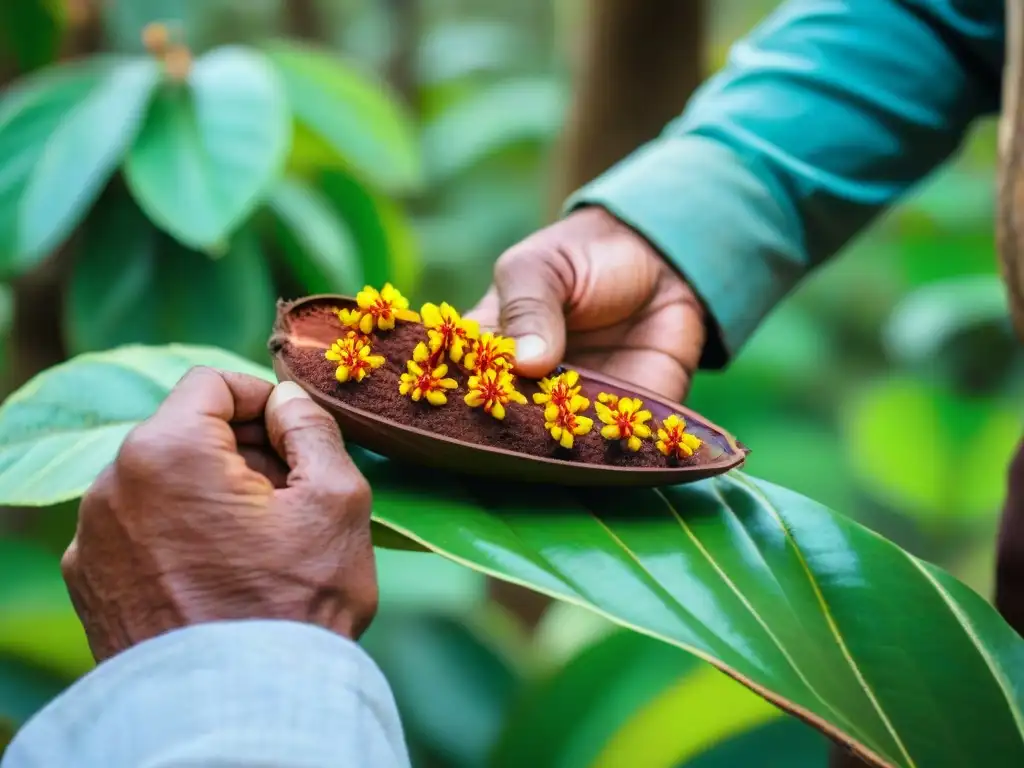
x=320, y=250
x=131, y=283
x=211, y=148
x=817, y=614
x=353, y=113
x=53, y=160
x=67, y=424
x=786, y=743
x=630, y=700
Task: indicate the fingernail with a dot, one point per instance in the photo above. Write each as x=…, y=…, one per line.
x=283, y=392
x=530, y=347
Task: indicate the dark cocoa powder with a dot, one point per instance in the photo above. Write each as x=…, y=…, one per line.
x=521, y=430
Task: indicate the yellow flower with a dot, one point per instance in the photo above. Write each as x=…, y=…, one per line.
x=493, y=389
x=674, y=441
x=423, y=383
x=625, y=421
x=491, y=351
x=354, y=358
x=448, y=332
x=608, y=399
x=558, y=390
x=564, y=422
x=377, y=309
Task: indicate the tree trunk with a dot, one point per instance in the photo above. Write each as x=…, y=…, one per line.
x=638, y=64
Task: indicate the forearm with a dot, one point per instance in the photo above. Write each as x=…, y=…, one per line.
x=824, y=115
x=231, y=694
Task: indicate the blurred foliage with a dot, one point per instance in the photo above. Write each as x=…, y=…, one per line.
x=887, y=386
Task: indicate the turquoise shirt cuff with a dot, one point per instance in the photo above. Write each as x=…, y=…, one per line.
x=716, y=217
x=223, y=694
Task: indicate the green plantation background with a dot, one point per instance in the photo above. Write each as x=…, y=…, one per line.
x=887, y=388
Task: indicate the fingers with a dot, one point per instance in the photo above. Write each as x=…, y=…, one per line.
x=305, y=436
x=221, y=394
x=487, y=312
x=533, y=287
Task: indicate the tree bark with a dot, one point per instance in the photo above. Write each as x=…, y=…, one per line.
x=639, y=62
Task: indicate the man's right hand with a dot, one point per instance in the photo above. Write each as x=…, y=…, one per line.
x=590, y=291
x=236, y=500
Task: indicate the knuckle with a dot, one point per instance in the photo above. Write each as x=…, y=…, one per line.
x=147, y=451
x=349, y=492
x=69, y=562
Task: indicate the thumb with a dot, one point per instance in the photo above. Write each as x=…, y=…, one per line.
x=533, y=287
x=304, y=435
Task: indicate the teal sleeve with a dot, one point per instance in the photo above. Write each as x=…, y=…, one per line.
x=823, y=116
x=230, y=694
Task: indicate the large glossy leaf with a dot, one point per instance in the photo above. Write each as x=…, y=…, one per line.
x=210, y=148
x=817, y=614
x=134, y=284
x=320, y=250
x=61, y=429
x=53, y=160
x=357, y=116
x=629, y=700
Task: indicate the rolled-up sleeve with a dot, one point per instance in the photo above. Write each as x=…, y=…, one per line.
x=232, y=694
x=822, y=117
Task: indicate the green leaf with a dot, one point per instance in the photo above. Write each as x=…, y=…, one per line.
x=814, y=612
x=380, y=228
x=453, y=687
x=62, y=428
x=355, y=114
x=30, y=30
x=79, y=159
x=133, y=284
x=318, y=246
x=628, y=695
x=416, y=580
x=38, y=625
x=936, y=456
x=210, y=149
x=514, y=111
x=778, y=744
x=53, y=160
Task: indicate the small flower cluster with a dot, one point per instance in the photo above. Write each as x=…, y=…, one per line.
x=624, y=418
x=563, y=404
x=488, y=360
x=375, y=309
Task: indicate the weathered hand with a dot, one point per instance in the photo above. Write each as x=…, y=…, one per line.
x=234, y=501
x=593, y=292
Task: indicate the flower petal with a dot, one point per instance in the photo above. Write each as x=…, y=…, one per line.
x=436, y=397
x=611, y=432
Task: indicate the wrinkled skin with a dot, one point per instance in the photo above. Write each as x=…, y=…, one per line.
x=229, y=503
x=590, y=291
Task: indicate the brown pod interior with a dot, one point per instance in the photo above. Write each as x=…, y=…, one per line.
x=373, y=414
